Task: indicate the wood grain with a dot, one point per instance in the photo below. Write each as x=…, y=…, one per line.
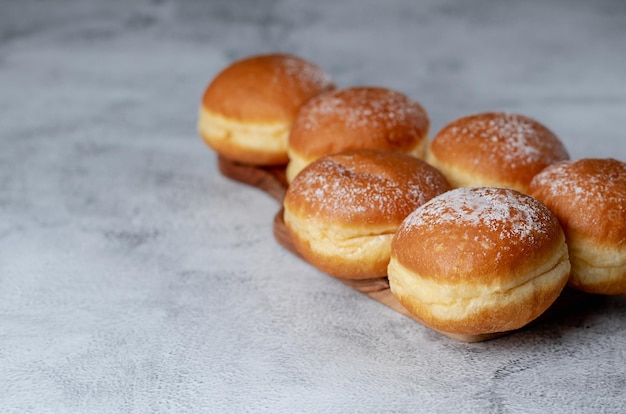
x=272, y=180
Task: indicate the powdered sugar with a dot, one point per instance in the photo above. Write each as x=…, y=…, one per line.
x=588, y=183
x=303, y=72
x=507, y=214
x=346, y=193
x=352, y=193
x=362, y=108
x=514, y=139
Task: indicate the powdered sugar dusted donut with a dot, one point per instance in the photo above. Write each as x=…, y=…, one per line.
x=478, y=260
x=589, y=198
x=248, y=109
x=494, y=149
x=343, y=209
x=353, y=118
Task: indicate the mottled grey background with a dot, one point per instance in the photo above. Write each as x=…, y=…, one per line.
x=134, y=278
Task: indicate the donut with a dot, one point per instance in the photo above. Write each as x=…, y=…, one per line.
x=494, y=149
x=355, y=118
x=247, y=110
x=589, y=198
x=478, y=260
x=343, y=209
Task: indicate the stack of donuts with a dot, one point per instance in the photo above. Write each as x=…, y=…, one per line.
x=478, y=228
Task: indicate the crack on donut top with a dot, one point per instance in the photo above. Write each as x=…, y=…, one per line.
x=505, y=214
x=363, y=108
x=514, y=139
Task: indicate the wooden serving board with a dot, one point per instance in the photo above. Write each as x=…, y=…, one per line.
x=272, y=180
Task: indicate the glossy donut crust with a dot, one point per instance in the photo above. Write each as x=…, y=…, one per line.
x=479, y=260
x=247, y=110
x=354, y=118
x=494, y=149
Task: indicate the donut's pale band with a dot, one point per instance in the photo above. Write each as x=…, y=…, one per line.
x=262, y=137
x=594, y=266
x=359, y=246
x=450, y=302
x=296, y=164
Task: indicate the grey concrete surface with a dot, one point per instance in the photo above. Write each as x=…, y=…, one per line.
x=136, y=279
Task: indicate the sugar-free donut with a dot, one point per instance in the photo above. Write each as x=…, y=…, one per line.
x=343, y=209
x=247, y=110
x=478, y=260
x=589, y=198
x=353, y=118
x=494, y=149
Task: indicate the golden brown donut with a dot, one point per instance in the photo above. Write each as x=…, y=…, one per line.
x=478, y=260
x=353, y=118
x=248, y=109
x=589, y=198
x=494, y=149
x=342, y=210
